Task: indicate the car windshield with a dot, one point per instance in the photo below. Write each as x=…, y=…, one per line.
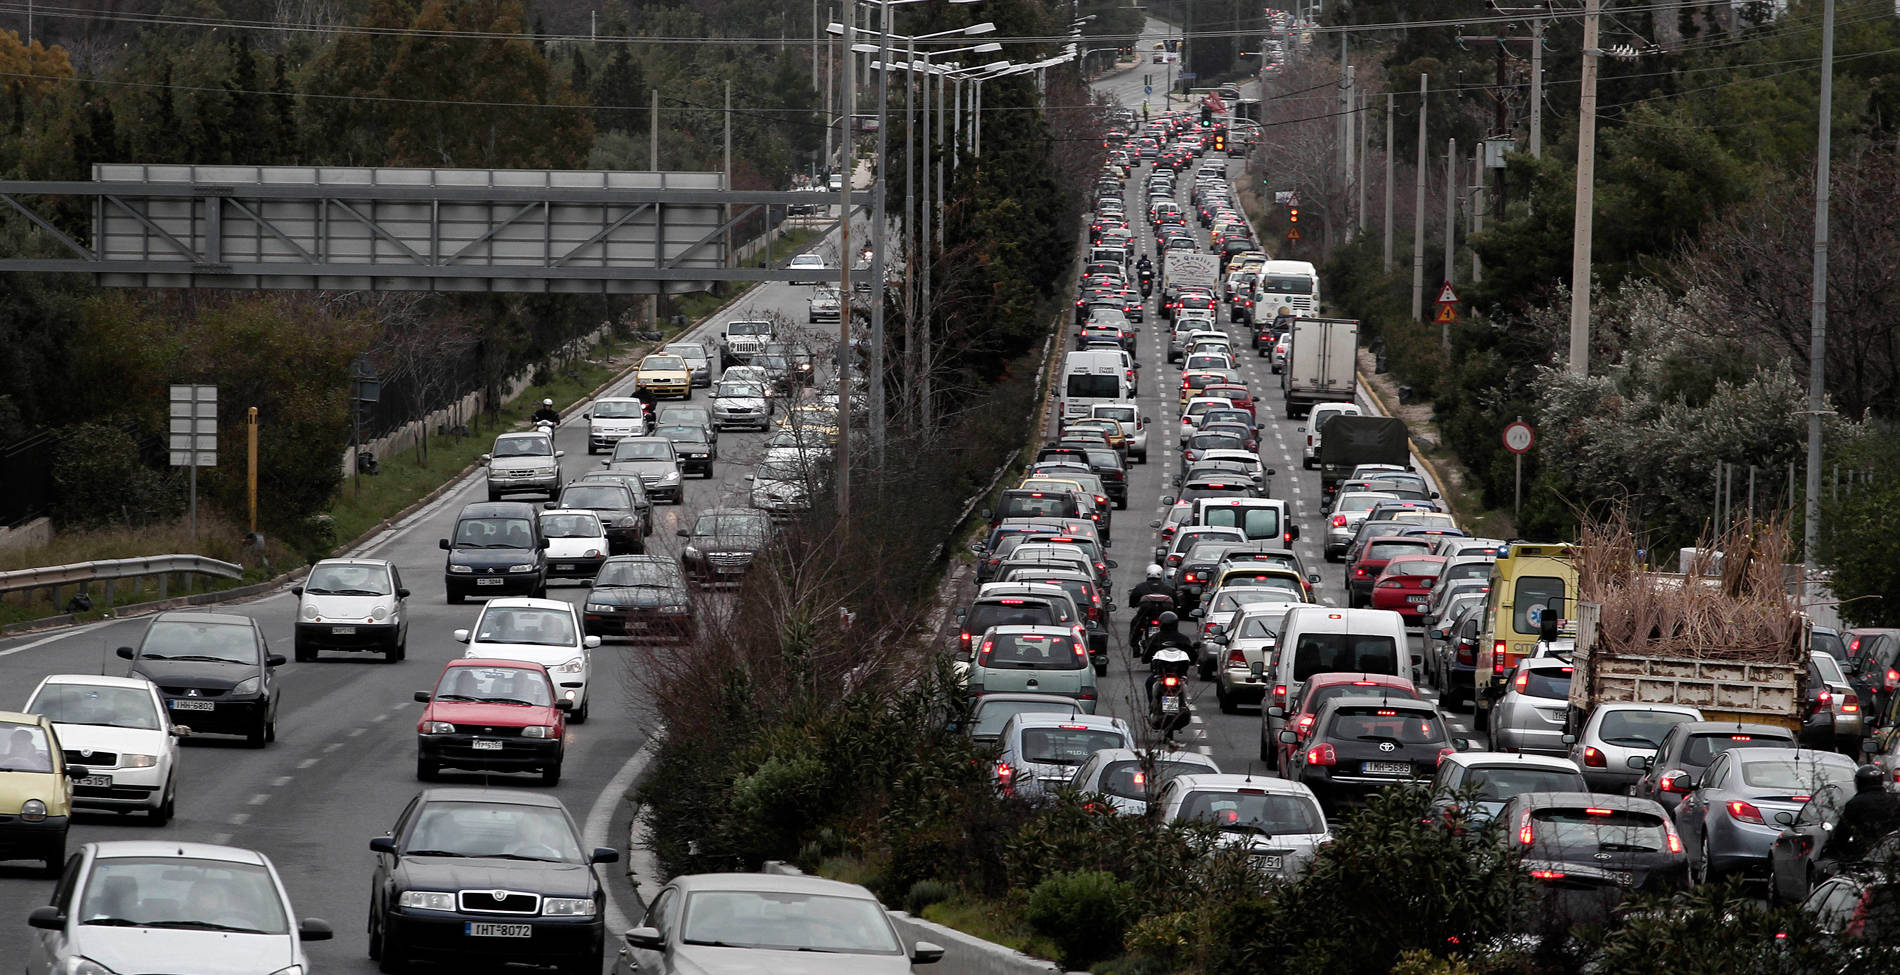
x=1067, y=746
x=184, y=893
x=527, y=624
x=688, y=352
x=682, y=433
x=663, y=363
x=1031, y=651
x=643, y=450
x=621, y=410
x=334, y=579
x=749, y=328
x=524, y=447
x=785, y=920
x=602, y=497
x=502, y=829
x=1787, y=775
x=728, y=525
x=1638, y=729
x=637, y=573
x=1498, y=783
x=1253, y=811
x=494, y=533
x=495, y=685
x=741, y=390
x=561, y=524
x=24, y=748
x=1374, y=723
x=1129, y=780
x=94, y=704
x=1598, y=829
x=196, y=640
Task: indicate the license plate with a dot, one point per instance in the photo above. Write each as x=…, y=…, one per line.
x=1271, y=861
x=1623, y=878
x=481, y=929
x=1416, y=599
x=183, y=705
x=94, y=781
x=343, y=631
x=1388, y=768
x=495, y=581
x=486, y=745
x=564, y=567
x=1170, y=705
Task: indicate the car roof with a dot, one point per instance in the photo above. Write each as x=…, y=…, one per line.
x=1018, y=697
x=174, y=849
x=498, y=509
x=20, y=717
x=494, y=662
x=529, y=602
x=1589, y=800
x=1135, y=754
x=797, y=884
x=1369, y=701
x=1762, y=753
x=197, y=616
x=1735, y=727
x=512, y=797
x=1097, y=722
x=372, y=563
x=1609, y=706
x=1229, y=781
x=1471, y=759
x=98, y=680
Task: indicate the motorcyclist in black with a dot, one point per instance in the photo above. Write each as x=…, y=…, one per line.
x=1169, y=635
x=1872, y=813
x=547, y=412
x=1145, y=271
x=1152, y=586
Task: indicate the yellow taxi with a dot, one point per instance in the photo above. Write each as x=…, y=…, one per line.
x=811, y=418
x=36, y=791
x=664, y=375
x=1111, y=431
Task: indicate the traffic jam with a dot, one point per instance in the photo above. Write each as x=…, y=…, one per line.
x=1301, y=622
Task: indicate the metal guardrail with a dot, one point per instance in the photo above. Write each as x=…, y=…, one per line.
x=107, y=572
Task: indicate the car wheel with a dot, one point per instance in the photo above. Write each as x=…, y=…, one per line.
x=1226, y=701
x=551, y=775
x=270, y=729
x=496, y=495
x=579, y=715
x=389, y=960
x=454, y=598
x=396, y=653
x=425, y=769
x=1206, y=666
x=163, y=812
x=306, y=654
x=1268, y=753
x=589, y=965
x=1480, y=717
x=1701, y=871
x=256, y=738
x=1101, y=669
x=55, y=858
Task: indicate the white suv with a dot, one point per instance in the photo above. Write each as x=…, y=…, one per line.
x=543, y=631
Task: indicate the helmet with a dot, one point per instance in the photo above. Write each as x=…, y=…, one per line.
x=1869, y=778
x=1168, y=619
x=547, y=402
x=1154, y=572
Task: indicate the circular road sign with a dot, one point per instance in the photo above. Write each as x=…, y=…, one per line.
x=1517, y=437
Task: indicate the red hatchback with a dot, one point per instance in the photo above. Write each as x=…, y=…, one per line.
x=1319, y=689
x=1405, y=585
x=1366, y=562
x=1237, y=394
x=492, y=716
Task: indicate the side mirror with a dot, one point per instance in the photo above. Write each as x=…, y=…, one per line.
x=648, y=938
x=1257, y=669
x=1292, y=529
x=1569, y=739
x=422, y=697
x=1462, y=744
x=487, y=457
x=1640, y=763
x=751, y=477
x=547, y=543
x=127, y=653
x=977, y=547
x=1276, y=711
x=1154, y=524
x=460, y=636
x=314, y=929
x=402, y=593
x=276, y=660
x=926, y=953
x=296, y=590
x=77, y=771
x=1177, y=480
x=550, y=505
x=587, y=416
x=47, y=918
x=606, y=462
x=1313, y=577
x=181, y=731
x=1289, y=737
x=559, y=454
x=1197, y=613
x=1114, y=564
x=590, y=642
x=605, y=854
x=443, y=544
x=1167, y=499
x=681, y=532
x=564, y=705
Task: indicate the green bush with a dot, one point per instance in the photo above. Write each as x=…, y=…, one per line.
x=924, y=893
x=1083, y=913
x=99, y=479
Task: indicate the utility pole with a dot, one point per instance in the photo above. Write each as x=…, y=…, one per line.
x=1359, y=179
x=653, y=131
x=1537, y=88
x=1342, y=126
x=1477, y=207
x=848, y=103
x=1817, y=303
x=1346, y=144
x=880, y=232
x=1586, y=196
x=1418, y=212
x=830, y=125
x=1388, y=182
x=1451, y=212
x=728, y=168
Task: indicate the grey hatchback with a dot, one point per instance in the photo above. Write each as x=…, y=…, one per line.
x=1033, y=660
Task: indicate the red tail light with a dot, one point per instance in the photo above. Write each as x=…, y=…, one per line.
x=1825, y=698
x=1594, y=758
x=1669, y=782
x=1081, y=651
x=1279, y=692
x=1893, y=678
x=1359, y=571
x=1322, y=755
x=1004, y=773
x=1523, y=680
x=983, y=655
x=1444, y=753
x=1675, y=839
x=1547, y=874
x=1744, y=812
x=1524, y=827
x=1170, y=681
x=1497, y=657
x=1850, y=704
x=1236, y=657
x=1339, y=521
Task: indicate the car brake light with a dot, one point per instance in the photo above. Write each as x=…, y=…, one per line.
x=1594, y=758
x=1322, y=754
x=1497, y=657
x=1675, y=839
x=983, y=655
x=1893, y=678
x=1339, y=521
x=1073, y=727
x=1444, y=753
x=1236, y=657
x=1279, y=692
x=1825, y=697
x=1850, y=703
x=1669, y=782
x=1744, y=812
x=1523, y=681
x=1081, y=652
x=1392, y=584
x=1004, y=773
x=1359, y=570
x=1306, y=721
x=1597, y=811
x=1524, y=827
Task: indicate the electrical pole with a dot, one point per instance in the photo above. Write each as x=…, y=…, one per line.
x=1451, y=226
x=1418, y=212
x=848, y=103
x=1586, y=196
x=880, y=232
x=728, y=168
x=1388, y=182
x=1477, y=207
x=1817, y=305
x=1359, y=179
x=1346, y=144
x=830, y=124
x=1537, y=88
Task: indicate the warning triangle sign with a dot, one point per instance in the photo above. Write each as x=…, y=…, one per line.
x=1446, y=314
x=1447, y=296
x=1293, y=233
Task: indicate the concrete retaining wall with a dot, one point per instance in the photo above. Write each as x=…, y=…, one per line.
x=32, y=534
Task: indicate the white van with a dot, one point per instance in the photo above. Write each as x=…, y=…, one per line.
x=1091, y=376
x=1327, y=639
x=1309, y=456
x=1263, y=520
x=1286, y=284
x=1102, y=254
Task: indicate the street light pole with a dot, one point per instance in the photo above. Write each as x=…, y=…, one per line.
x=1817, y=302
x=1586, y=197
x=849, y=103
x=880, y=231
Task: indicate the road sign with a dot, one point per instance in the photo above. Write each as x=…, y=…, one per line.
x=194, y=426
x=1147, y=89
x=1446, y=296
x=1518, y=437
x=1293, y=233
x=1446, y=314
x=1187, y=76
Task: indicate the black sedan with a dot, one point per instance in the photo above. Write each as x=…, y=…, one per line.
x=621, y=502
x=1588, y=850
x=483, y=876
x=214, y=671
x=1361, y=744
x=639, y=596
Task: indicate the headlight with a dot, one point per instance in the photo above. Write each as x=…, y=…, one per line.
x=521, y=568
x=599, y=608
x=81, y=965
x=33, y=811
x=670, y=476
x=537, y=731
x=691, y=552
x=567, y=907
x=675, y=608
x=437, y=728
x=137, y=761
x=309, y=611
x=572, y=666
x=428, y=900
x=460, y=568
x=592, y=553
x=626, y=521
x=248, y=685
x=380, y=612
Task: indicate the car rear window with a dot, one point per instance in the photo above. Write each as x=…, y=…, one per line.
x=1702, y=749
x=1467, y=570
x=1496, y=783
x=1330, y=653
x=1789, y=776
x=1407, y=726
x=1413, y=567
x=1033, y=651
x=1326, y=692
x=1251, y=811
x=1009, y=612
x=1599, y=828
x=1048, y=505
x=1130, y=781
x=993, y=714
x=1394, y=547
x=1831, y=643
x=1551, y=682
x=1638, y=729
x=1067, y=746
x=1254, y=521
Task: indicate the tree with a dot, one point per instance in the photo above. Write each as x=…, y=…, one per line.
x=620, y=91
x=1860, y=522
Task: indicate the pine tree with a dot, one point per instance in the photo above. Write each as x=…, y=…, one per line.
x=621, y=91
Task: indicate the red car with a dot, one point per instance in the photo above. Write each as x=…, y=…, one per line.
x=1319, y=689
x=1405, y=585
x=492, y=716
x=1239, y=395
x=1366, y=561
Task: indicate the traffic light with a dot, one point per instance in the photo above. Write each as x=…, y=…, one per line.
x=1293, y=214
x=1207, y=113
x=1220, y=141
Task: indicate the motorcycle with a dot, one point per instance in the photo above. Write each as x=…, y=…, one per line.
x=1148, y=621
x=1168, y=709
x=1147, y=283
x=544, y=426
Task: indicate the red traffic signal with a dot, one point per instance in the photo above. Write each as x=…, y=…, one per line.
x=1293, y=214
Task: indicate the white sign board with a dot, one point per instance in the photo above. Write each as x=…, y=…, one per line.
x=194, y=426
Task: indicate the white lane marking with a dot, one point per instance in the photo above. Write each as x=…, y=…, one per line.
x=220, y=839
x=61, y=635
x=333, y=746
x=281, y=781
x=354, y=732
x=239, y=819
x=381, y=717
x=601, y=812
x=306, y=763
x=258, y=799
